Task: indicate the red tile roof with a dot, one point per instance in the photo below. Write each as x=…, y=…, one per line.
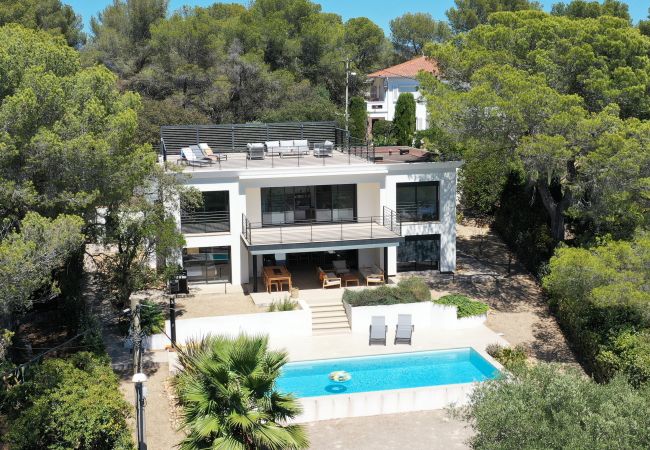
x=408, y=69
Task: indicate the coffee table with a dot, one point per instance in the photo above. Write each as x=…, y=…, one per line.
x=348, y=278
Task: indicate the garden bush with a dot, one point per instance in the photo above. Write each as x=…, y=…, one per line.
x=285, y=304
x=510, y=357
x=466, y=306
x=69, y=403
x=408, y=290
x=601, y=299
x=544, y=406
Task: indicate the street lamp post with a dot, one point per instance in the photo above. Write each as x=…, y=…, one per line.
x=138, y=379
x=347, y=91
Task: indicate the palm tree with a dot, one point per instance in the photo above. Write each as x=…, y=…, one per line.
x=227, y=393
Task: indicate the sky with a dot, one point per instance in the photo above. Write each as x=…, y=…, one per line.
x=379, y=11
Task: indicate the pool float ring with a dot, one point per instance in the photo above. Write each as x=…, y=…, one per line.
x=340, y=376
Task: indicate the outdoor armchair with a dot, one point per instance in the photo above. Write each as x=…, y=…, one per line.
x=328, y=279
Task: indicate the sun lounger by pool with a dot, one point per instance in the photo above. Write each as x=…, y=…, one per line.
x=378, y=330
x=403, y=329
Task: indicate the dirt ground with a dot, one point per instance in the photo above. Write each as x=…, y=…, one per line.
x=518, y=309
x=205, y=305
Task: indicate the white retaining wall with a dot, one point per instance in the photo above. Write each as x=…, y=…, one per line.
x=373, y=403
x=427, y=315
x=281, y=323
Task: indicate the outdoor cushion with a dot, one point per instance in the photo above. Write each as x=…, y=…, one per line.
x=301, y=143
x=271, y=144
x=286, y=143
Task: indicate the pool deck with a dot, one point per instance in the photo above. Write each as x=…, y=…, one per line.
x=354, y=344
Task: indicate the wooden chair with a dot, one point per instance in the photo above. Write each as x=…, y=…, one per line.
x=328, y=279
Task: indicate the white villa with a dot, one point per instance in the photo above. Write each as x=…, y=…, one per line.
x=385, y=210
x=387, y=84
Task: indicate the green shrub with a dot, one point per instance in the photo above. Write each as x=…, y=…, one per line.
x=408, y=290
x=510, y=357
x=70, y=403
x=285, y=304
x=466, y=306
x=404, y=120
x=383, y=133
x=601, y=300
x=544, y=406
x=152, y=317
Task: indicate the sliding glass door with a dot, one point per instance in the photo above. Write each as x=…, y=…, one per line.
x=304, y=204
x=419, y=253
x=207, y=264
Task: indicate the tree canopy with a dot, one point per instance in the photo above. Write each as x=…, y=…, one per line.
x=271, y=61
x=583, y=9
x=469, y=14
x=410, y=33
x=521, y=103
x=546, y=406
x=48, y=15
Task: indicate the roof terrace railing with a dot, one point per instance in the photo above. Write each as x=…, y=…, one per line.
x=234, y=139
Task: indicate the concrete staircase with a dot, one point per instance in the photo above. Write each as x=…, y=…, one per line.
x=328, y=317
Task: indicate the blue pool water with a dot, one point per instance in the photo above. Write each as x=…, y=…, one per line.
x=378, y=373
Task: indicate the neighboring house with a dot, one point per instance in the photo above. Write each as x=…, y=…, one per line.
x=392, y=209
x=388, y=84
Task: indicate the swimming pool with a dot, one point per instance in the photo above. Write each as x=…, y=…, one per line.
x=384, y=372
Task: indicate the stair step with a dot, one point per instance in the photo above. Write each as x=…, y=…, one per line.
x=325, y=304
x=329, y=314
x=320, y=332
x=324, y=320
x=322, y=326
x=327, y=308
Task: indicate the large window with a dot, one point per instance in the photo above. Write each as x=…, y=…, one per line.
x=207, y=264
x=211, y=217
x=418, y=202
x=419, y=253
x=300, y=204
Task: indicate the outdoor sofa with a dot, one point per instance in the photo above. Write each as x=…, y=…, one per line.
x=287, y=148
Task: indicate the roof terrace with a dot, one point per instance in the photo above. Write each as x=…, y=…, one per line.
x=277, y=145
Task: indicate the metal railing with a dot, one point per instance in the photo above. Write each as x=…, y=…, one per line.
x=363, y=227
x=392, y=220
x=229, y=139
x=411, y=212
x=205, y=222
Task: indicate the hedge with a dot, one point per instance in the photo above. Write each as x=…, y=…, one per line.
x=409, y=290
x=466, y=306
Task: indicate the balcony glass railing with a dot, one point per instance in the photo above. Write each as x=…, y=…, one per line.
x=205, y=222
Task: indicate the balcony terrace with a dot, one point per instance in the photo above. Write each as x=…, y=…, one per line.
x=356, y=232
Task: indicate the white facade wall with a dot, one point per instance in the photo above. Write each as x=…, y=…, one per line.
x=396, y=86
x=445, y=226
x=376, y=188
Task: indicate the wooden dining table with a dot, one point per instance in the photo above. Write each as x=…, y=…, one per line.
x=276, y=274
